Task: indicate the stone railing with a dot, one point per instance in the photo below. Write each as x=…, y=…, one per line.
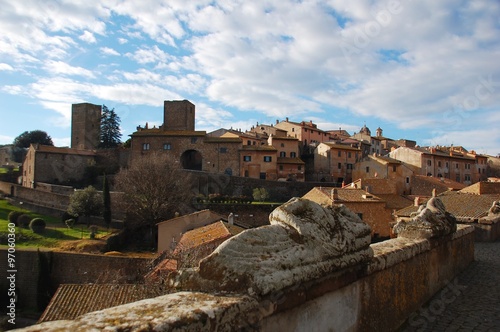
x=311, y=269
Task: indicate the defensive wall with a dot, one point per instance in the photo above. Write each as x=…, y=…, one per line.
x=308, y=277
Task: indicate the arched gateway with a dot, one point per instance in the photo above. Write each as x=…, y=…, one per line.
x=191, y=159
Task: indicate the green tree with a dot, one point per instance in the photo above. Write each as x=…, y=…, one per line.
x=110, y=128
x=23, y=141
x=86, y=203
x=106, y=198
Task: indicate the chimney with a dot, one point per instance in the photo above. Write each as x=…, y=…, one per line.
x=334, y=195
x=286, y=119
x=277, y=121
x=230, y=219
x=368, y=189
x=416, y=202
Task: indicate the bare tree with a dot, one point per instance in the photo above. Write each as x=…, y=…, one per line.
x=155, y=188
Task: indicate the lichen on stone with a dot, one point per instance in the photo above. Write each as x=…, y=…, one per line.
x=305, y=241
x=431, y=221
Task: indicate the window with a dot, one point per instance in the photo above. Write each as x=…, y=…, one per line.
x=429, y=163
x=339, y=153
x=268, y=159
x=367, y=169
x=281, y=167
x=246, y=174
x=249, y=142
x=282, y=145
x=293, y=154
x=167, y=146
x=439, y=164
x=394, y=167
x=262, y=176
x=446, y=164
x=457, y=178
x=407, y=179
x=340, y=165
x=467, y=177
x=349, y=166
x=283, y=154
x=223, y=150
x=348, y=154
x=467, y=166
x=194, y=139
x=456, y=165
x=247, y=158
x=145, y=146
x=293, y=129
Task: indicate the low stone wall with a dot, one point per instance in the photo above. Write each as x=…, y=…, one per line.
x=486, y=232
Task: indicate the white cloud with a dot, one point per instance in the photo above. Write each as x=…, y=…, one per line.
x=61, y=68
x=109, y=51
x=88, y=37
x=5, y=67
x=61, y=141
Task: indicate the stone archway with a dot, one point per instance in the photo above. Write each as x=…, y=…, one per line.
x=192, y=160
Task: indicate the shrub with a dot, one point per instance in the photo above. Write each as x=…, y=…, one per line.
x=66, y=215
x=13, y=216
x=93, y=231
x=24, y=220
x=70, y=222
x=37, y=225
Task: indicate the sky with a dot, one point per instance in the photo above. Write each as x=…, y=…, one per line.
x=425, y=70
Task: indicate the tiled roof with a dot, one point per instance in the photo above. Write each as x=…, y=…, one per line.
x=258, y=148
x=162, y=270
x=206, y=214
x=461, y=205
x=453, y=185
x=71, y=301
x=395, y=201
x=340, y=146
x=350, y=194
x=53, y=149
x=283, y=160
x=222, y=140
x=480, y=188
x=207, y=234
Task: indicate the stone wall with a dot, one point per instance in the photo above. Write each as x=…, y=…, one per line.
x=36, y=278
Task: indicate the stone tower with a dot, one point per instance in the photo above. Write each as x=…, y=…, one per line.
x=85, y=126
x=178, y=115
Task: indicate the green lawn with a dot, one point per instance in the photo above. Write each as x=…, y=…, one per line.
x=55, y=231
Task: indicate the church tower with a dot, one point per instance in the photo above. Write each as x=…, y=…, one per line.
x=178, y=115
x=85, y=126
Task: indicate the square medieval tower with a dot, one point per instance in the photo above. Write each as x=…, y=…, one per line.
x=85, y=126
x=178, y=115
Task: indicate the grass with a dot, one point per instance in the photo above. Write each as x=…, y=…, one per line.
x=55, y=232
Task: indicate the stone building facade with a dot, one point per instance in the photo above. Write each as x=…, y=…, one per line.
x=458, y=165
x=334, y=162
x=193, y=150
x=49, y=164
x=85, y=126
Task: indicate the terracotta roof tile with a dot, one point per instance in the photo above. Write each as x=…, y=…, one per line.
x=350, y=194
x=461, y=205
x=71, y=301
x=207, y=234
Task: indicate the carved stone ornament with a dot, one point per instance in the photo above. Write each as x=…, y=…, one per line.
x=305, y=241
x=430, y=222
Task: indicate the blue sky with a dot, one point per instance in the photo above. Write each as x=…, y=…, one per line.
x=422, y=70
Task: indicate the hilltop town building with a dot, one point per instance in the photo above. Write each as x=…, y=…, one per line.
x=452, y=163
x=49, y=164
x=85, y=126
